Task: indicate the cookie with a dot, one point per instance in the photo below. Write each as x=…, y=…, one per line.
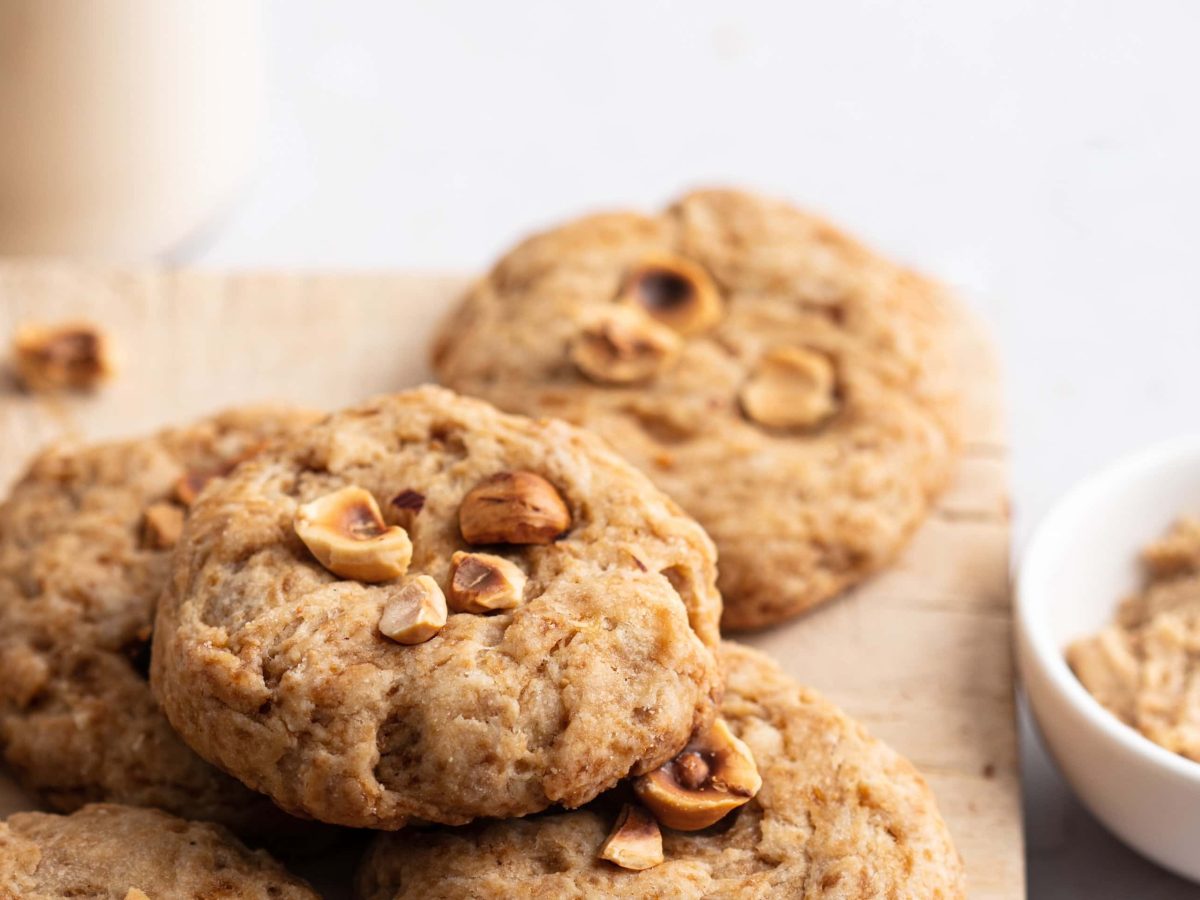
x=789, y=388
x=839, y=815
x=85, y=542
x=110, y=852
x=550, y=618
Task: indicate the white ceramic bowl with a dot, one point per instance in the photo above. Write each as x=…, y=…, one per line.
x=1082, y=559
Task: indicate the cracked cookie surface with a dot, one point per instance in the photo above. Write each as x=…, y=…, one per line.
x=85, y=540
x=840, y=816
x=791, y=389
x=110, y=852
x=273, y=667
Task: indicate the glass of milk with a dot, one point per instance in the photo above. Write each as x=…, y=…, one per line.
x=126, y=126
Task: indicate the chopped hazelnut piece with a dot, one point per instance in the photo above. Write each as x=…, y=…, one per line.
x=406, y=506
x=192, y=482
x=346, y=533
x=409, y=499
x=676, y=292
x=791, y=388
x=635, y=842
x=162, y=524
x=481, y=582
x=136, y=894
x=712, y=776
x=416, y=613
x=75, y=356
x=513, y=508
x=624, y=346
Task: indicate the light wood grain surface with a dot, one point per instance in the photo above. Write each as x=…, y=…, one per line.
x=921, y=654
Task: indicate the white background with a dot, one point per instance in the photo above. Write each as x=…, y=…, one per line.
x=1044, y=156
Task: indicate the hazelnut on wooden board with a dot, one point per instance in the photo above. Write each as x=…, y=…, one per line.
x=714, y=775
x=513, y=508
x=416, y=613
x=624, y=346
x=674, y=291
x=346, y=533
x=790, y=388
x=635, y=841
x=75, y=356
x=482, y=582
x=162, y=523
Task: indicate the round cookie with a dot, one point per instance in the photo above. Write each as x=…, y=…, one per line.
x=839, y=815
x=789, y=388
x=109, y=852
x=84, y=553
x=276, y=669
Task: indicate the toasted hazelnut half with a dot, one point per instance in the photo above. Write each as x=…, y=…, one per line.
x=162, y=523
x=676, y=292
x=791, y=388
x=712, y=776
x=513, y=508
x=635, y=841
x=75, y=356
x=416, y=613
x=624, y=346
x=346, y=533
x=481, y=582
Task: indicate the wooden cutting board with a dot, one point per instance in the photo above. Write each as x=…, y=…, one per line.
x=920, y=654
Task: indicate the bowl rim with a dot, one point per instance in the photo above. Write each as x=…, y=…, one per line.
x=1031, y=623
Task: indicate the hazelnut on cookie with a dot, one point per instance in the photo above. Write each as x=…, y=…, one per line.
x=422, y=608
x=789, y=388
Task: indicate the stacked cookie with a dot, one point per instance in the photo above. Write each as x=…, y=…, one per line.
x=489, y=637
x=790, y=389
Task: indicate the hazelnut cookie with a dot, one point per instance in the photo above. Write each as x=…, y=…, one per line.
x=424, y=608
x=789, y=388
x=838, y=815
x=109, y=852
x=85, y=543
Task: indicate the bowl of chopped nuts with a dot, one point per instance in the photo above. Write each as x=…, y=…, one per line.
x=1107, y=629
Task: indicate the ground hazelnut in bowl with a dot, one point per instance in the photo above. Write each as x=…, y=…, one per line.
x=1084, y=559
x=1143, y=667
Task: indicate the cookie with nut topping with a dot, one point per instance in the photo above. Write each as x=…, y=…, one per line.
x=85, y=545
x=838, y=815
x=127, y=853
x=791, y=389
x=422, y=608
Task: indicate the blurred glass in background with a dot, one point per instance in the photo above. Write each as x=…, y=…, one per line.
x=126, y=126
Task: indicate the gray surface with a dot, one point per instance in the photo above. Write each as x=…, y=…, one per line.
x=1041, y=155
